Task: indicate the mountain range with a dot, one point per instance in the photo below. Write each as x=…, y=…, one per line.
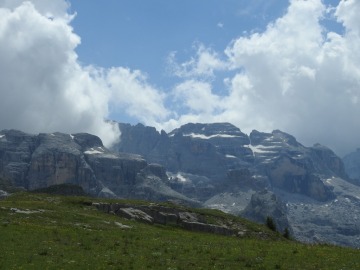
x=308, y=190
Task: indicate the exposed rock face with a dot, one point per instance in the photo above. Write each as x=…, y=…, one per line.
x=352, y=165
x=167, y=215
x=63, y=189
x=39, y=161
x=55, y=161
x=225, y=158
x=265, y=204
x=16, y=149
x=294, y=168
x=222, y=167
x=192, y=149
x=214, y=165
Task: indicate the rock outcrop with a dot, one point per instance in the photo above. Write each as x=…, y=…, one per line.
x=212, y=165
x=352, y=165
x=222, y=167
x=166, y=216
x=40, y=161
x=225, y=158
x=265, y=204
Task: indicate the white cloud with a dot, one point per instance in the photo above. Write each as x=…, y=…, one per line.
x=131, y=91
x=196, y=96
x=42, y=86
x=204, y=64
x=50, y=9
x=293, y=76
x=347, y=13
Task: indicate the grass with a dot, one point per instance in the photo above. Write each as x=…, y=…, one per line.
x=68, y=233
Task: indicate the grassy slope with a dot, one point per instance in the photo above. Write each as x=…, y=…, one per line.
x=69, y=234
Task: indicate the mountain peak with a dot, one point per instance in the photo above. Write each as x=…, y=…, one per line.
x=209, y=130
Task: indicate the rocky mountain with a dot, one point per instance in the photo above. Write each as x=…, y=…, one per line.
x=39, y=161
x=255, y=175
x=220, y=155
x=304, y=189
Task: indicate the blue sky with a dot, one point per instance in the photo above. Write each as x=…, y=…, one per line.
x=140, y=34
x=261, y=64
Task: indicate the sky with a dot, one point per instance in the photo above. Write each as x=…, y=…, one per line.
x=294, y=65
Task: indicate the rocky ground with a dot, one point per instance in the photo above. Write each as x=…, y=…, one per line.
x=336, y=221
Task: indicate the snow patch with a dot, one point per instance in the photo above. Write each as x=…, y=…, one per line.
x=230, y=156
x=181, y=178
x=261, y=149
x=102, y=151
x=2, y=136
x=52, y=134
x=71, y=136
x=92, y=151
x=202, y=136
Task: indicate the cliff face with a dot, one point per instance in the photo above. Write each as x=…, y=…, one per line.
x=16, y=149
x=307, y=187
x=221, y=153
x=40, y=161
x=213, y=165
x=352, y=165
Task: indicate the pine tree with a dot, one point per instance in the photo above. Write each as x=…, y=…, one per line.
x=270, y=223
x=286, y=233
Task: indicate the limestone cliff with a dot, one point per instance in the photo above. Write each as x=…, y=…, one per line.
x=39, y=161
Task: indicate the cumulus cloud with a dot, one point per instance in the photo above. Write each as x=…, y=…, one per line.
x=204, y=64
x=295, y=76
x=43, y=87
x=139, y=99
x=50, y=9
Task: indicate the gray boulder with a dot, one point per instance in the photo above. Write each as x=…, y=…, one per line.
x=266, y=204
x=167, y=216
x=135, y=214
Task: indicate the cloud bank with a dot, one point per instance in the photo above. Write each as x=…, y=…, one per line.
x=44, y=88
x=296, y=75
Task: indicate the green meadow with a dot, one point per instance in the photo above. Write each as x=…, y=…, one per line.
x=39, y=231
